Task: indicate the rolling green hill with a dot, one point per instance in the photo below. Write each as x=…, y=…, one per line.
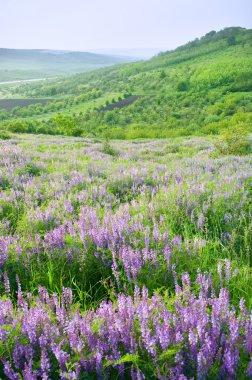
x=18, y=64
x=203, y=87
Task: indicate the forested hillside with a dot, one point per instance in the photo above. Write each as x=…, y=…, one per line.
x=202, y=87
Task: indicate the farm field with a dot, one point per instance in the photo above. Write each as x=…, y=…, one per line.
x=9, y=104
x=125, y=259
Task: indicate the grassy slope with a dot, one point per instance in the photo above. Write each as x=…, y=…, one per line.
x=203, y=86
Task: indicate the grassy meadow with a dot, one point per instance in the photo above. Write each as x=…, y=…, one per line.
x=124, y=259
x=125, y=219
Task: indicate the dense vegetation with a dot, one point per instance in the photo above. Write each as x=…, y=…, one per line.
x=130, y=259
x=203, y=87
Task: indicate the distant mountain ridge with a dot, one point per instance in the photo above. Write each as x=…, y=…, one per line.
x=137, y=53
x=18, y=64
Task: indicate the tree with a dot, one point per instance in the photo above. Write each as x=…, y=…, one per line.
x=162, y=74
x=182, y=85
x=231, y=40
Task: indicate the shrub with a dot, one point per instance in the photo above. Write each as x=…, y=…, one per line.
x=4, y=135
x=108, y=149
x=182, y=85
x=20, y=126
x=234, y=141
x=30, y=169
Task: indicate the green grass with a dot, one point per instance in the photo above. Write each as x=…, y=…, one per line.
x=196, y=185
x=81, y=214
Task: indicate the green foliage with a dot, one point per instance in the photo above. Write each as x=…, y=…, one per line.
x=109, y=149
x=234, y=141
x=182, y=85
x=19, y=126
x=127, y=358
x=4, y=135
x=155, y=190
x=162, y=74
x=31, y=169
x=11, y=212
x=199, y=88
x=5, y=183
x=231, y=40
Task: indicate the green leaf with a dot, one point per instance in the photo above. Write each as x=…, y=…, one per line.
x=127, y=358
x=169, y=354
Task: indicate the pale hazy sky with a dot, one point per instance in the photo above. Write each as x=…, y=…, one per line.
x=99, y=24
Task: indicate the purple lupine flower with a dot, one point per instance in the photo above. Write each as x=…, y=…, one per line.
x=67, y=297
x=12, y=375
x=230, y=361
x=28, y=373
x=45, y=366
x=201, y=221
x=249, y=370
x=7, y=284
x=61, y=356
x=219, y=270
x=21, y=302
x=227, y=270
x=167, y=255
x=177, y=241
x=5, y=243
x=19, y=356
